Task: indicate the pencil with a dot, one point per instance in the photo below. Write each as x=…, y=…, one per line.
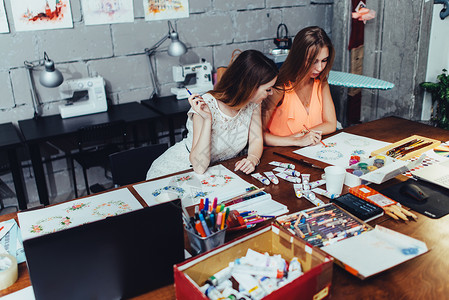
x=308, y=130
x=243, y=195
x=188, y=91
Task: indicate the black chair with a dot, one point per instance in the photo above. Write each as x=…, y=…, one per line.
x=95, y=144
x=131, y=166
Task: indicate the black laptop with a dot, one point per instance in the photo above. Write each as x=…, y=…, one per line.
x=114, y=258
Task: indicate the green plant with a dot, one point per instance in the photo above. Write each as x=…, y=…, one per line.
x=440, y=94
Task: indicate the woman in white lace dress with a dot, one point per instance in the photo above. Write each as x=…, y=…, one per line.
x=222, y=122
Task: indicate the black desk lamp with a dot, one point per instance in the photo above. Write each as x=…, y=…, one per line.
x=50, y=77
x=176, y=48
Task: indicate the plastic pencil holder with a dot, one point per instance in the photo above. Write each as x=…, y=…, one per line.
x=203, y=244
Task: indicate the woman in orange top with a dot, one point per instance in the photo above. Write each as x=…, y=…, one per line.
x=301, y=100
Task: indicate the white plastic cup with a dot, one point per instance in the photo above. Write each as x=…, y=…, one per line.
x=335, y=177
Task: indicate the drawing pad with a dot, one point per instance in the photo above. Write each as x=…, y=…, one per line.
x=114, y=258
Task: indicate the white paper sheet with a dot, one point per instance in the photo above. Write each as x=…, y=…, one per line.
x=77, y=212
x=341, y=147
x=375, y=251
x=26, y=293
x=190, y=187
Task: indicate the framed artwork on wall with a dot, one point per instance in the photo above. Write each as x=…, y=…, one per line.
x=98, y=12
x=41, y=14
x=165, y=9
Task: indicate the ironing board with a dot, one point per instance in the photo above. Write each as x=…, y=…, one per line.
x=357, y=81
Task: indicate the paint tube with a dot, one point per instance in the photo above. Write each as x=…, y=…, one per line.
x=289, y=178
x=312, y=198
x=249, y=284
x=262, y=179
x=221, y=275
x=317, y=183
x=283, y=165
x=287, y=171
x=271, y=272
x=268, y=284
x=298, y=190
x=294, y=269
x=325, y=193
x=272, y=177
x=305, y=178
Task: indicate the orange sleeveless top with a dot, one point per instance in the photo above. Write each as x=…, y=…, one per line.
x=291, y=116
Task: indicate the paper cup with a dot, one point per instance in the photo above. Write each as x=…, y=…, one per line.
x=335, y=177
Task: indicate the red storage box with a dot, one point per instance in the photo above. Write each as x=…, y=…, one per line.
x=313, y=284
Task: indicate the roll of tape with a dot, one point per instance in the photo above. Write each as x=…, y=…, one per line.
x=8, y=270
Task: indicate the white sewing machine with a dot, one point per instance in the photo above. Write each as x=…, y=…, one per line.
x=76, y=90
x=201, y=72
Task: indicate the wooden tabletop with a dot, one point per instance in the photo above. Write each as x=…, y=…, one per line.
x=424, y=277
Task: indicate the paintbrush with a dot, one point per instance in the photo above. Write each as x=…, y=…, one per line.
x=308, y=130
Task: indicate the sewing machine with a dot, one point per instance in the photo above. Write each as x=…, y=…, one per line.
x=84, y=96
x=196, y=77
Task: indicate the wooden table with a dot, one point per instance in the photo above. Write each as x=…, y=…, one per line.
x=424, y=277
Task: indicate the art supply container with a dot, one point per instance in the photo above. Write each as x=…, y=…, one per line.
x=203, y=244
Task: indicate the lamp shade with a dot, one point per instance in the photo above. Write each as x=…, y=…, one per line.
x=50, y=77
x=176, y=48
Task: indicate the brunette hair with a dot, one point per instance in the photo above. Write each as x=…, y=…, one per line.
x=306, y=46
x=243, y=77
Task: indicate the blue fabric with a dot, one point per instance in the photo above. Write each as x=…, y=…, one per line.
x=357, y=81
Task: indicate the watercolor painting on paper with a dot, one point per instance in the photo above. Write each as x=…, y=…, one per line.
x=341, y=147
x=97, y=12
x=77, y=212
x=4, y=27
x=190, y=187
x=165, y=9
x=41, y=14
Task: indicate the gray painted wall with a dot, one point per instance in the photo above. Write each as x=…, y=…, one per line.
x=214, y=29
x=116, y=51
x=396, y=47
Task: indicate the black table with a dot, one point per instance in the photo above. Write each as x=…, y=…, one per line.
x=171, y=108
x=42, y=129
x=10, y=140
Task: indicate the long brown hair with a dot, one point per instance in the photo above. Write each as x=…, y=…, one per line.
x=306, y=46
x=243, y=77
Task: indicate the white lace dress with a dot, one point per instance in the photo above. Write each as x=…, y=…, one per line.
x=229, y=137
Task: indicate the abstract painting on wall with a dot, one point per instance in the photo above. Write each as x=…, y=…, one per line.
x=4, y=28
x=41, y=14
x=165, y=9
x=98, y=12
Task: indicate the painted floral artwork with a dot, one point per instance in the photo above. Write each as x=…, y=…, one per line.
x=165, y=9
x=190, y=187
x=41, y=14
x=98, y=12
x=76, y=212
x=4, y=27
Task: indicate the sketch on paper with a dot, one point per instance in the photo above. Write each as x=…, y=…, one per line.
x=165, y=9
x=344, y=145
x=4, y=28
x=98, y=12
x=77, y=212
x=191, y=187
x=41, y=14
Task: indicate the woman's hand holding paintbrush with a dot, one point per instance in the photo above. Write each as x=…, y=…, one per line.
x=198, y=105
x=318, y=134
